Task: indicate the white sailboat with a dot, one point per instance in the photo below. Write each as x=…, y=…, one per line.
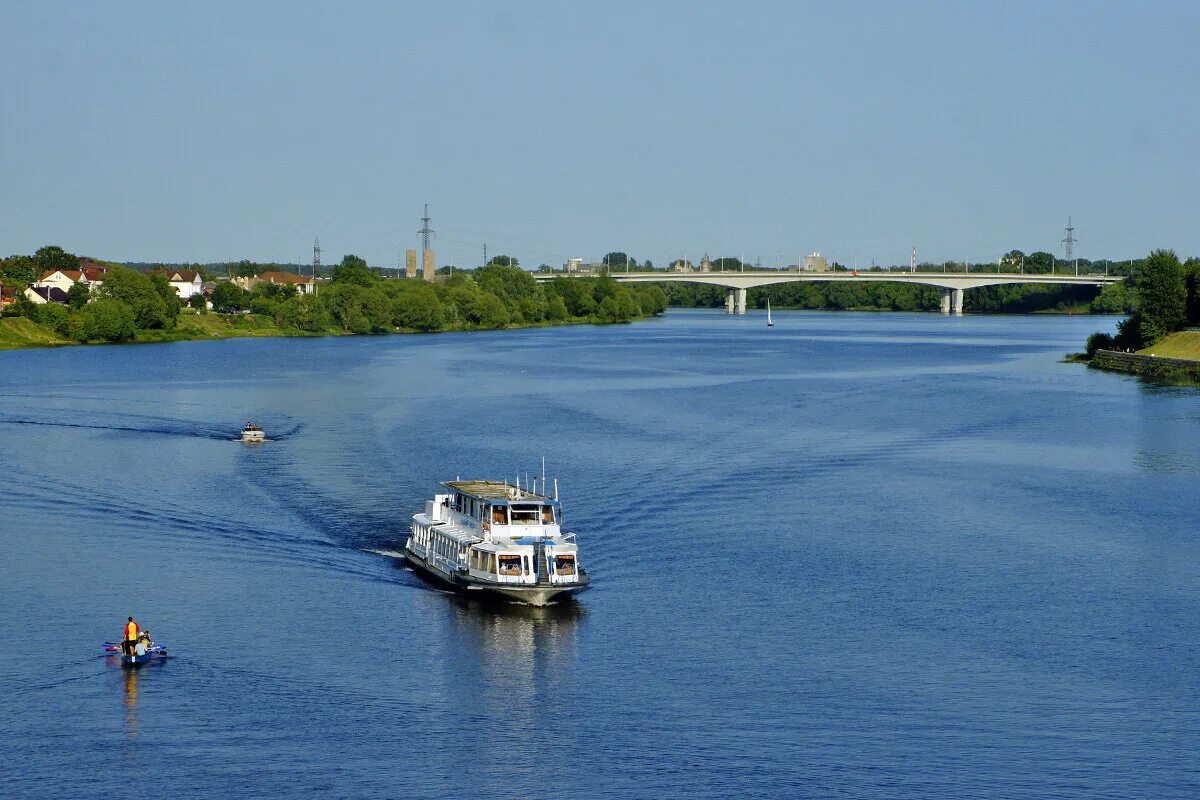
x=770, y=324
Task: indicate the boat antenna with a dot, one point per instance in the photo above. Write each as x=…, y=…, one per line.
x=556, y=490
x=543, y=475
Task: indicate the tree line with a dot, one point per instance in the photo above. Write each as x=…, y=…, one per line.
x=355, y=300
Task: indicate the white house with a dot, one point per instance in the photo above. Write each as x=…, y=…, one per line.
x=89, y=275
x=185, y=282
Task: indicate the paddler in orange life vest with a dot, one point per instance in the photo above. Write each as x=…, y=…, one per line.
x=131, y=635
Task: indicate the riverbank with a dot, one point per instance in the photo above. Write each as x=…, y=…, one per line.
x=19, y=333
x=1175, y=360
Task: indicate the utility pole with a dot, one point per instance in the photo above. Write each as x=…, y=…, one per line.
x=485, y=254
x=912, y=260
x=316, y=267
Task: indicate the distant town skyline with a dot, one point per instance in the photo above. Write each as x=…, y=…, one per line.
x=770, y=130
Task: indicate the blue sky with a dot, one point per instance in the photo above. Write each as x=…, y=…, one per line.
x=221, y=130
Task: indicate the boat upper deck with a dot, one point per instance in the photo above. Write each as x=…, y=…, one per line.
x=496, y=492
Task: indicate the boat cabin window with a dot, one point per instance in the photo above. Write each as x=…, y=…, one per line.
x=510, y=565
x=499, y=515
x=526, y=515
x=564, y=565
x=458, y=503
x=547, y=515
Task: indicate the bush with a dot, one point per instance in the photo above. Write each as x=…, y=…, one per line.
x=105, y=320
x=358, y=309
x=78, y=295
x=52, y=315
x=303, y=313
x=145, y=297
x=228, y=297
x=198, y=301
x=1099, y=341
x=488, y=311
x=261, y=305
x=420, y=310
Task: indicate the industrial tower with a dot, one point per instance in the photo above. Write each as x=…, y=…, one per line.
x=316, y=268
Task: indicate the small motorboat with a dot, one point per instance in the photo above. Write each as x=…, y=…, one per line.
x=252, y=434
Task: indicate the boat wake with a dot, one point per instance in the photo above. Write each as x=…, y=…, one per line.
x=388, y=553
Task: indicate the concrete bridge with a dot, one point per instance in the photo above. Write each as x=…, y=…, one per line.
x=952, y=284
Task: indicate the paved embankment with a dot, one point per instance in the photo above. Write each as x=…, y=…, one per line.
x=1142, y=364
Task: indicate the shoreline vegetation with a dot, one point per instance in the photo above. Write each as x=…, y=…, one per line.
x=130, y=306
x=1159, y=340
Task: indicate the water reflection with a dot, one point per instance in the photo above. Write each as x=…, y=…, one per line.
x=520, y=658
x=131, y=700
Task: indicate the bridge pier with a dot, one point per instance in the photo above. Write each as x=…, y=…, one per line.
x=741, y=301
x=957, y=301
x=729, y=300
x=946, y=300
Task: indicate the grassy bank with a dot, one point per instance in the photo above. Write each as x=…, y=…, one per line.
x=1181, y=344
x=17, y=333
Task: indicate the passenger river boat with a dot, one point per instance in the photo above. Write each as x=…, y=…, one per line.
x=491, y=538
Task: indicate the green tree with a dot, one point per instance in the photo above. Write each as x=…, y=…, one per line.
x=615, y=260
x=358, y=309
x=487, y=311
x=503, y=261
x=78, y=295
x=141, y=294
x=577, y=295
x=105, y=320
x=198, y=301
x=353, y=270
x=1114, y=299
x=170, y=298
x=54, y=315
x=419, y=310
x=1162, y=296
x=1191, y=270
x=52, y=257
x=19, y=271
x=1039, y=262
x=228, y=296
x=303, y=313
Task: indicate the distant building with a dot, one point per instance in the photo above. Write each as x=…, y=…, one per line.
x=89, y=274
x=682, y=265
x=706, y=264
x=815, y=262
x=583, y=267
x=185, y=282
x=303, y=285
x=40, y=295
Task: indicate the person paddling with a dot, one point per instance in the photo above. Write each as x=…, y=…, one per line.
x=131, y=635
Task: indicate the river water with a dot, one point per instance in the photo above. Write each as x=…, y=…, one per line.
x=858, y=555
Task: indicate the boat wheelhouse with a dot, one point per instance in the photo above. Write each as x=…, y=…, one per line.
x=496, y=538
x=253, y=434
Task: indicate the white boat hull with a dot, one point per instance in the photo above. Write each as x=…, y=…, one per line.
x=530, y=594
